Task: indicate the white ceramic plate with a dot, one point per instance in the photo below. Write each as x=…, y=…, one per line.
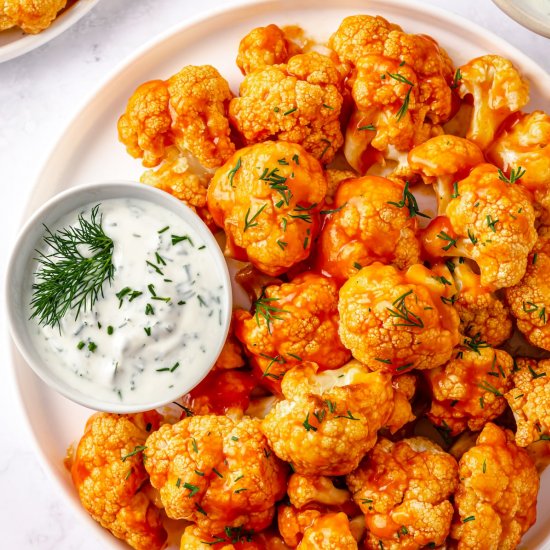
x=14, y=42
x=89, y=151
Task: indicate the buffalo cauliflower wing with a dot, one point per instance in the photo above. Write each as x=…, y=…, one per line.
x=215, y=472
x=328, y=420
x=529, y=400
x=529, y=300
x=497, y=494
x=188, y=110
x=265, y=46
x=328, y=532
x=267, y=197
x=469, y=390
x=482, y=313
x=299, y=102
x=522, y=150
x=311, y=489
x=442, y=161
x=108, y=473
x=293, y=322
x=403, y=489
x=489, y=221
x=366, y=208
x=396, y=320
x=32, y=16
x=401, y=86
x=497, y=90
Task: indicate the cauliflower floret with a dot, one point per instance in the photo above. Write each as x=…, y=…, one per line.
x=108, y=473
x=328, y=421
x=367, y=208
x=401, y=88
x=529, y=400
x=396, y=320
x=334, y=178
x=215, y=472
x=187, y=110
x=359, y=35
x=232, y=354
x=265, y=46
x=328, y=532
x=267, y=197
x=497, y=494
x=481, y=312
x=183, y=177
x=145, y=127
x=469, y=390
x=293, y=522
x=497, y=90
x=222, y=392
x=231, y=539
x=523, y=149
x=293, y=322
x=307, y=489
x=403, y=489
x=489, y=221
x=529, y=300
x=32, y=16
x=298, y=102
x=405, y=389
x=443, y=160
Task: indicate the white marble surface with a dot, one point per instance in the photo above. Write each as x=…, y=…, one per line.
x=39, y=93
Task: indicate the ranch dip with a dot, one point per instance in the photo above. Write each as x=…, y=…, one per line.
x=154, y=325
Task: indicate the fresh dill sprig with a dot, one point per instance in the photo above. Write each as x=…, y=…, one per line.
x=67, y=278
x=264, y=308
x=409, y=202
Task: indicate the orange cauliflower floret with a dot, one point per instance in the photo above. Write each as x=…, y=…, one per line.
x=215, y=472
x=442, y=161
x=522, y=149
x=231, y=539
x=397, y=320
x=187, y=110
x=497, y=90
x=108, y=473
x=145, y=127
x=469, y=390
x=481, y=312
x=298, y=102
x=328, y=532
x=264, y=46
x=367, y=208
x=497, y=494
x=489, y=221
x=183, y=177
x=334, y=178
x=311, y=489
x=401, y=88
x=222, y=392
x=32, y=16
x=529, y=400
x=403, y=489
x=328, y=421
x=293, y=522
x=529, y=300
x=267, y=197
x=293, y=322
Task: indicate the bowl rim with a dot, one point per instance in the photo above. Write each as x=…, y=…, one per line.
x=523, y=17
x=65, y=202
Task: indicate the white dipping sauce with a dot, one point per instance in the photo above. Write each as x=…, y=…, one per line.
x=139, y=349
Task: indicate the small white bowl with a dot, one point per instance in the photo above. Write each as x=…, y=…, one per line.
x=24, y=252
x=533, y=14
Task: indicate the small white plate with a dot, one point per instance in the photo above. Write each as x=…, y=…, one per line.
x=14, y=42
x=89, y=150
x=533, y=14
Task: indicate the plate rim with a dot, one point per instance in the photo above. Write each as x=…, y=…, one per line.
x=527, y=65
x=523, y=17
x=60, y=24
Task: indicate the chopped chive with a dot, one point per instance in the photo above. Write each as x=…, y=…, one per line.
x=149, y=310
x=147, y=330
x=156, y=268
x=180, y=238
x=290, y=111
x=110, y=330
x=163, y=229
x=80, y=344
x=92, y=346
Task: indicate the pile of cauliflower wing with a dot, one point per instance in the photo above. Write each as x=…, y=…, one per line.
x=370, y=396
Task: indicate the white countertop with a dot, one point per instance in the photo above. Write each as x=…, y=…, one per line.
x=39, y=94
